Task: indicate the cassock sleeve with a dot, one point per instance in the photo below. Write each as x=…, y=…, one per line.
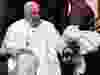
x=14, y=36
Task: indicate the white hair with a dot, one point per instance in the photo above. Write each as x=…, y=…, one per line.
x=28, y=4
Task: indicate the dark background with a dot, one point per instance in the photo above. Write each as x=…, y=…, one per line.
x=48, y=8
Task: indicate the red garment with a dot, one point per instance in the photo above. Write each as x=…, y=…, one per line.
x=86, y=11
x=78, y=9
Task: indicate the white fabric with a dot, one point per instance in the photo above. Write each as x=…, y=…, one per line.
x=44, y=38
x=88, y=39
x=20, y=32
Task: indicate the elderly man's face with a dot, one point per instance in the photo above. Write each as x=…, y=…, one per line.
x=31, y=11
x=35, y=9
x=28, y=12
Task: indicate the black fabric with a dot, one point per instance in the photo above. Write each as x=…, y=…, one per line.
x=3, y=58
x=84, y=22
x=3, y=68
x=80, y=20
x=73, y=53
x=69, y=60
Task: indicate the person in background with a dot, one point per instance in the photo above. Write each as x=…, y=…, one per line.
x=83, y=9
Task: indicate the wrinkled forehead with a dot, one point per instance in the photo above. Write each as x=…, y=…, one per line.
x=35, y=4
x=32, y=4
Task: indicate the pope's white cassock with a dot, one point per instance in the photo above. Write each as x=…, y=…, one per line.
x=21, y=32
x=41, y=39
